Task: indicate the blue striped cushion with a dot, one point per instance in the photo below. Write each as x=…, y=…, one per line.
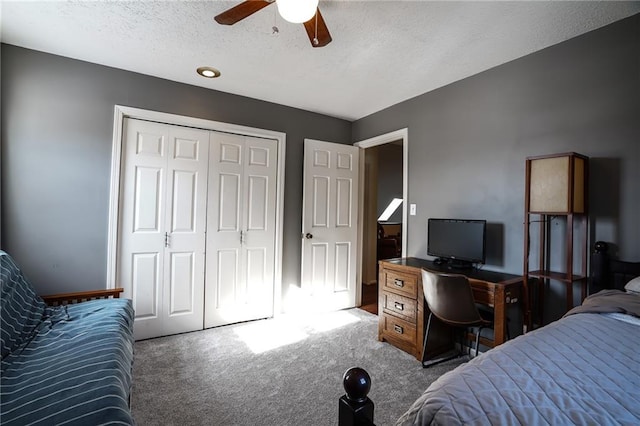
x=76, y=370
x=20, y=308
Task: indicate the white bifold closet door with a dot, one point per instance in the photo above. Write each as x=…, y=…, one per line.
x=162, y=226
x=241, y=219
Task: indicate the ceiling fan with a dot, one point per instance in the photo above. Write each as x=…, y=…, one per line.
x=315, y=26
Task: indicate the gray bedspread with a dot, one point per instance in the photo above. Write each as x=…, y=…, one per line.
x=609, y=301
x=583, y=369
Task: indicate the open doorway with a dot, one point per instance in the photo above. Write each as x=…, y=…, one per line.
x=383, y=186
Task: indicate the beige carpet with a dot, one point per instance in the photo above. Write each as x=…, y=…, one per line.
x=285, y=371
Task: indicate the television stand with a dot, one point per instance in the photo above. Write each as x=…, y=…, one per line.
x=459, y=264
x=453, y=264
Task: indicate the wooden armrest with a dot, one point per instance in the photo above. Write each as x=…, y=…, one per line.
x=66, y=298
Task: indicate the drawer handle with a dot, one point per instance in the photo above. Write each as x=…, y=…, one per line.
x=398, y=329
x=398, y=283
x=399, y=306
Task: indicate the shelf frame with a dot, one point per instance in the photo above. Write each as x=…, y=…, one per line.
x=559, y=183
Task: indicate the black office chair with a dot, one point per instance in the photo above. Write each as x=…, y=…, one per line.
x=450, y=299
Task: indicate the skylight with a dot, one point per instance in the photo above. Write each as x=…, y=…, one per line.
x=391, y=208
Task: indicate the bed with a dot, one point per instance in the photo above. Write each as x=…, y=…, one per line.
x=581, y=369
x=67, y=364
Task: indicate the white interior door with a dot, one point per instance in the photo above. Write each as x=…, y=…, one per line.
x=240, y=229
x=162, y=226
x=329, y=224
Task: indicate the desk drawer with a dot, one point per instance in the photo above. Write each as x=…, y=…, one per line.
x=482, y=296
x=396, y=329
x=483, y=292
x=398, y=282
x=399, y=306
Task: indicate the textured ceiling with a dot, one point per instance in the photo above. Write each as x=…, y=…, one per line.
x=383, y=52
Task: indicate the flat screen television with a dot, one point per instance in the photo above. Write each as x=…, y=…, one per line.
x=461, y=242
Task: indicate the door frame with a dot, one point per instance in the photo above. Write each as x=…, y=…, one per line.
x=403, y=135
x=120, y=113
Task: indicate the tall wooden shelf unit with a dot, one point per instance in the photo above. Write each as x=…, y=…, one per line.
x=556, y=188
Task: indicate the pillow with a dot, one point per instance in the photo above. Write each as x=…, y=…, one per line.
x=633, y=286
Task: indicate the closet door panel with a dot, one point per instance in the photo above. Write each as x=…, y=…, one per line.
x=241, y=218
x=259, y=219
x=145, y=282
x=162, y=226
x=229, y=202
x=257, y=275
x=193, y=200
x=187, y=170
x=148, y=189
x=142, y=217
x=228, y=273
x=182, y=284
x=149, y=139
x=258, y=198
x=225, y=276
x=183, y=211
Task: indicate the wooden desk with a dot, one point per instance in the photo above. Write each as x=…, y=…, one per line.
x=402, y=310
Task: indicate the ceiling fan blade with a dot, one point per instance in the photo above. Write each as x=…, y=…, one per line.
x=323, y=37
x=241, y=11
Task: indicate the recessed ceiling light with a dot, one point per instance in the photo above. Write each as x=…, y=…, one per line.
x=208, y=72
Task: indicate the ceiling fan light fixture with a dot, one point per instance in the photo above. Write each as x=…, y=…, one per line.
x=297, y=11
x=208, y=72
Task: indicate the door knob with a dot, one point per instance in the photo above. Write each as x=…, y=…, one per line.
x=308, y=236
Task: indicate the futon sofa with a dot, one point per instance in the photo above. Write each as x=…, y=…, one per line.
x=66, y=364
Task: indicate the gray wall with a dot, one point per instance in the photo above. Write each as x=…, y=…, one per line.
x=57, y=124
x=468, y=141
x=467, y=146
x=389, y=178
